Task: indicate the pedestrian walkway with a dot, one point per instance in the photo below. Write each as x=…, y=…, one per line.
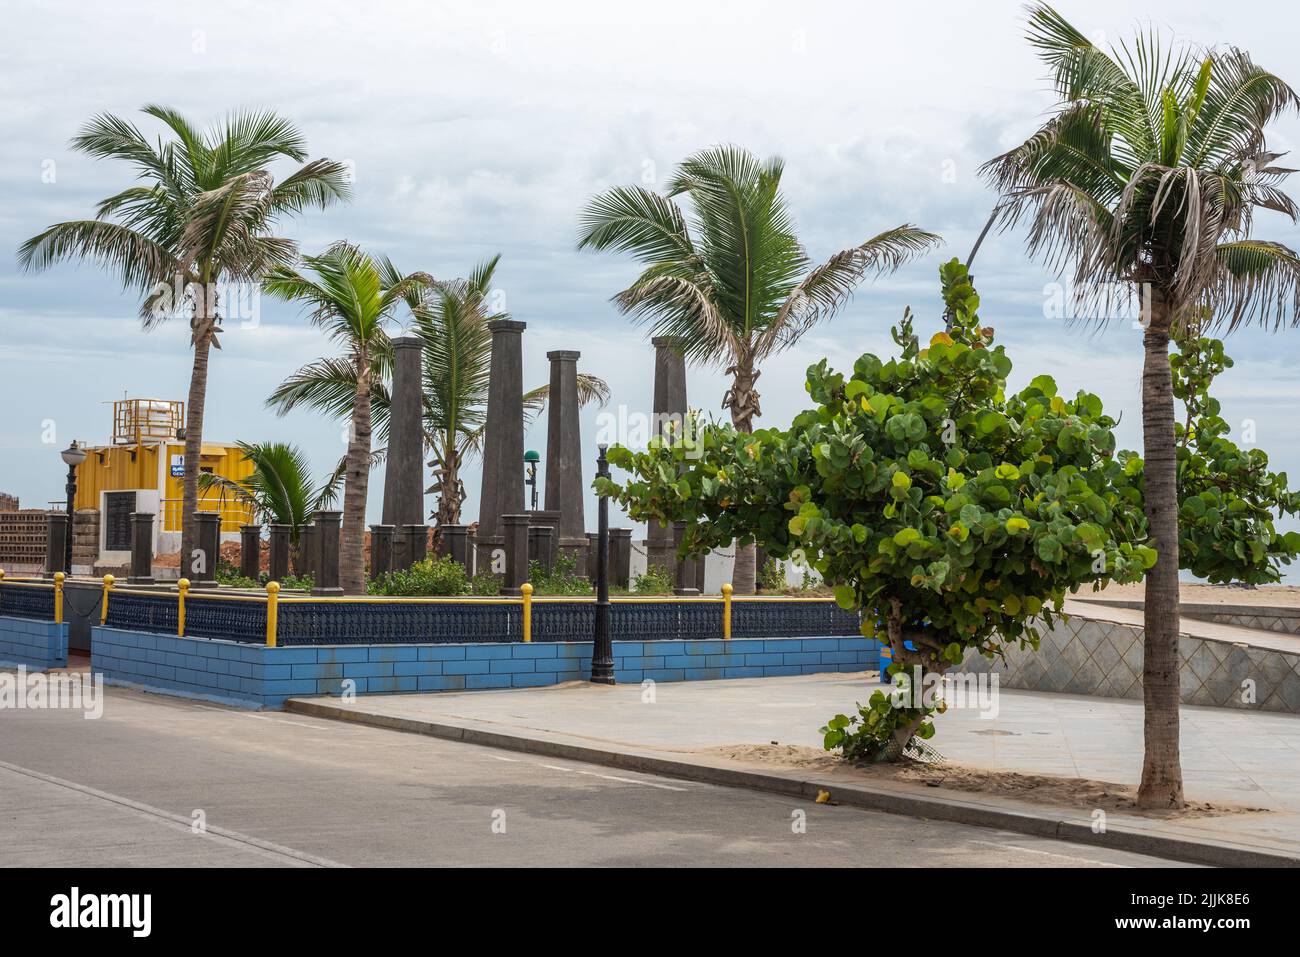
x=1229, y=757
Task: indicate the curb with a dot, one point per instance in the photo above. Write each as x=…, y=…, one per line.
x=1116, y=837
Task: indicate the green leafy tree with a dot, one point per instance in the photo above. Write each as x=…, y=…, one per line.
x=953, y=516
x=1147, y=177
x=199, y=219
x=352, y=296
x=731, y=282
x=1228, y=499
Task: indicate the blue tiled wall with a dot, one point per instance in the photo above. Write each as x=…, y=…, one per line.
x=37, y=644
x=256, y=676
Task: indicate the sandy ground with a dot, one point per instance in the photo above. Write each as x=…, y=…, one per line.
x=1282, y=596
x=1033, y=788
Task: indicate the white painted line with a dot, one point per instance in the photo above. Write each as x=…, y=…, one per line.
x=612, y=777
x=1064, y=857
x=267, y=848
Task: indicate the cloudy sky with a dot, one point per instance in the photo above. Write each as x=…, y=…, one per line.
x=483, y=127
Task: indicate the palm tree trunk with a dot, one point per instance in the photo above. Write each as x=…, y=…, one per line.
x=193, y=452
x=356, y=487
x=742, y=400
x=449, y=499
x=1162, y=774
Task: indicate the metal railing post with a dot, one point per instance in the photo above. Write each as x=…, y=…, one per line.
x=726, y=610
x=272, y=611
x=526, y=591
x=103, y=611
x=182, y=589
x=58, y=596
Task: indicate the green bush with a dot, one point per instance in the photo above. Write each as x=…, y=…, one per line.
x=485, y=583
x=771, y=577
x=441, y=576
x=655, y=580
x=561, y=579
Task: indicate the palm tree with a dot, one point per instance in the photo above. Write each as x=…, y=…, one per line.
x=199, y=221
x=352, y=296
x=1147, y=177
x=280, y=489
x=452, y=318
x=732, y=284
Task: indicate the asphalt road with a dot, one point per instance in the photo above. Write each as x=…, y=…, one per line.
x=169, y=782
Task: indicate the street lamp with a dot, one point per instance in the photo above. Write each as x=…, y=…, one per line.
x=531, y=459
x=73, y=456
x=602, y=652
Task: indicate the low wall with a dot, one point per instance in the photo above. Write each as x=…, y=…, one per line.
x=1279, y=619
x=1095, y=657
x=38, y=645
x=261, y=677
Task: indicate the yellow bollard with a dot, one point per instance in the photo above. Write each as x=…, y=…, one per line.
x=726, y=609
x=526, y=589
x=103, y=611
x=58, y=596
x=2, y=575
x=272, y=611
x=182, y=589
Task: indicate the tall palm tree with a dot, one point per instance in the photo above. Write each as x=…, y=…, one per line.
x=200, y=220
x=731, y=283
x=452, y=319
x=1147, y=176
x=352, y=296
x=280, y=489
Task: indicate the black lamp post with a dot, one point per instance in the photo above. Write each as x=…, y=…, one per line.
x=531, y=459
x=73, y=455
x=602, y=652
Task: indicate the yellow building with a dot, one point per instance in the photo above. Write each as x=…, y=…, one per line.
x=146, y=456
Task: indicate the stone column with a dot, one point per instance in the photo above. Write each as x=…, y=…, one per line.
x=592, y=539
x=620, y=557
x=278, y=564
x=515, y=541
x=250, y=551
x=503, y=439
x=404, y=471
x=541, y=546
x=203, y=574
x=417, y=537
x=141, y=549
x=381, y=550
x=308, y=550
x=565, y=489
x=401, y=548
x=455, y=543
x=669, y=407
x=56, y=543
x=325, y=560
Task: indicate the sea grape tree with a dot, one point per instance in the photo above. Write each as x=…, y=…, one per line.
x=952, y=515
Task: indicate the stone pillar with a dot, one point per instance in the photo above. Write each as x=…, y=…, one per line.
x=203, y=567
x=404, y=471
x=250, y=551
x=401, y=548
x=515, y=541
x=56, y=543
x=592, y=555
x=141, y=549
x=308, y=550
x=541, y=546
x=325, y=557
x=565, y=489
x=278, y=564
x=669, y=406
x=417, y=538
x=503, y=439
x=381, y=550
x=620, y=557
x=685, y=575
x=455, y=543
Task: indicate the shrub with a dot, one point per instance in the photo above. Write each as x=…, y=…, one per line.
x=560, y=580
x=655, y=580
x=440, y=576
x=485, y=583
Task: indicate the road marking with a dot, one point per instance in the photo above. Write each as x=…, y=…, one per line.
x=1064, y=857
x=268, y=848
x=612, y=777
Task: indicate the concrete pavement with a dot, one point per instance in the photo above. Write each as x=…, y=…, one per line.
x=1229, y=757
x=287, y=790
